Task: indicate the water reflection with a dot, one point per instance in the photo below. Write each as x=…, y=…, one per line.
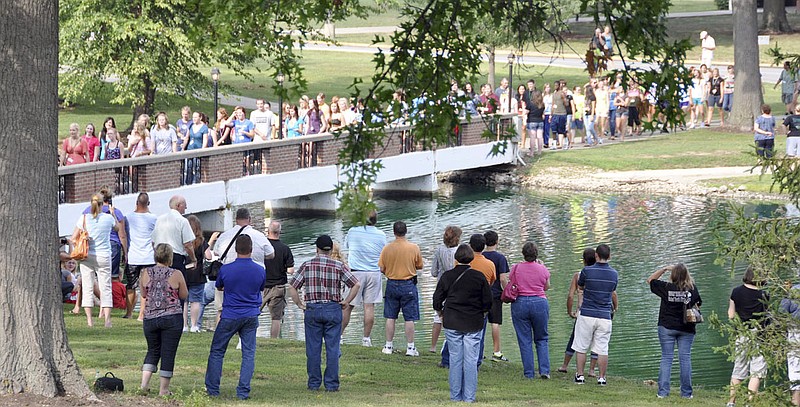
x=644, y=232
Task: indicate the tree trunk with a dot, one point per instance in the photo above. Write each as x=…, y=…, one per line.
x=146, y=107
x=491, y=50
x=747, y=98
x=35, y=356
x=774, y=19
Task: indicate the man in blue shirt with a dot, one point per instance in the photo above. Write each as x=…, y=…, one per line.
x=242, y=281
x=593, y=326
x=244, y=129
x=365, y=244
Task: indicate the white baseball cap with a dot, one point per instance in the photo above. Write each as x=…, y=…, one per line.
x=703, y=34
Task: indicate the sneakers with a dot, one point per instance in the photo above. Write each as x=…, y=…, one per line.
x=366, y=342
x=579, y=379
x=186, y=329
x=387, y=350
x=545, y=376
x=195, y=329
x=411, y=352
x=601, y=381
x=499, y=357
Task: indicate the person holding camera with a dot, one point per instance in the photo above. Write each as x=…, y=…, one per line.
x=677, y=294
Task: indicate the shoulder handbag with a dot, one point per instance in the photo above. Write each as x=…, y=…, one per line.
x=80, y=248
x=211, y=268
x=107, y=383
x=692, y=315
x=510, y=291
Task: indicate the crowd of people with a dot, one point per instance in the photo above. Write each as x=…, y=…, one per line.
x=163, y=257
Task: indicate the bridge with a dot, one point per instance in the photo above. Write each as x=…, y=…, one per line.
x=297, y=174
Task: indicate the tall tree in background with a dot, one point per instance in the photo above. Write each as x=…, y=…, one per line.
x=149, y=46
x=35, y=356
x=748, y=100
x=774, y=20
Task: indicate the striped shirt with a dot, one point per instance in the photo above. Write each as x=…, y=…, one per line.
x=323, y=277
x=599, y=281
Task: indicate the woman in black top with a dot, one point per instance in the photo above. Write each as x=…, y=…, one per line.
x=463, y=297
x=677, y=294
x=535, y=121
x=748, y=303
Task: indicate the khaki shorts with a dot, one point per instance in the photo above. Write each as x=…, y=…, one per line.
x=218, y=297
x=744, y=366
x=371, y=288
x=275, y=300
x=592, y=333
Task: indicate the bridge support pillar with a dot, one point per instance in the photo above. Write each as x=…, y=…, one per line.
x=325, y=202
x=425, y=185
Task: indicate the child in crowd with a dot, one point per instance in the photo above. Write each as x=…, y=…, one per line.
x=765, y=132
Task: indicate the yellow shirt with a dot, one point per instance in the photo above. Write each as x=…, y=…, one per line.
x=400, y=259
x=485, y=266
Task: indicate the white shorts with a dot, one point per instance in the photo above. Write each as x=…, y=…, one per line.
x=793, y=359
x=592, y=333
x=744, y=366
x=793, y=146
x=219, y=296
x=371, y=291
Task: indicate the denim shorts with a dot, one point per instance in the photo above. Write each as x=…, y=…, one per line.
x=576, y=124
x=401, y=295
x=533, y=126
x=714, y=101
x=197, y=293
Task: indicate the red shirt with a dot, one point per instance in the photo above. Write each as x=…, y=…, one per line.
x=91, y=142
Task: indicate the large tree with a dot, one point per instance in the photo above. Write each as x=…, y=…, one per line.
x=35, y=356
x=748, y=100
x=149, y=46
x=774, y=20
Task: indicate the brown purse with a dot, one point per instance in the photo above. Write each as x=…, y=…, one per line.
x=80, y=248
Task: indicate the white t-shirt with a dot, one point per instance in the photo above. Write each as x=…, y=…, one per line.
x=140, y=248
x=99, y=229
x=708, y=44
x=263, y=122
x=261, y=245
x=173, y=229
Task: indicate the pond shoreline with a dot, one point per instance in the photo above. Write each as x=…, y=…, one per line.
x=674, y=182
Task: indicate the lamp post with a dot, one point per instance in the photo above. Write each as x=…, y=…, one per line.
x=511, y=58
x=280, y=77
x=215, y=78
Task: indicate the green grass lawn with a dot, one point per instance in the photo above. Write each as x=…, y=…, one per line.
x=753, y=183
x=692, y=149
x=368, y=378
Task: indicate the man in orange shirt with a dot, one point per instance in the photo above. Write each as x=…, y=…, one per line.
x=399, y=262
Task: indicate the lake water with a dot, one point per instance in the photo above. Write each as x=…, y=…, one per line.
x=644, y=232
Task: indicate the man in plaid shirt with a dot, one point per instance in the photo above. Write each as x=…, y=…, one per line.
x=322, y=278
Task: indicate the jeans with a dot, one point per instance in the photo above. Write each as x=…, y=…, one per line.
x=116, y=258
x=546, y=135
x=463, y=364
x=163, y=334
x=764, y=148
x=192, y=171
x=591, y=135
x=227, y=327
x=208, y=293
x=530, y=316
x=323, y=320
x=668, y=338
x=446, y=348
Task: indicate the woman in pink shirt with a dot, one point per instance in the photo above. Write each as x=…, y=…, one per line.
x=531, y=311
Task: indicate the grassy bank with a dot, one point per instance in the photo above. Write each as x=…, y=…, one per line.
x=367, y=376
x=692, y=149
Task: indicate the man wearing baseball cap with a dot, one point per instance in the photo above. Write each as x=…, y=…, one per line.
x=322, y=278
x=709, y=45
